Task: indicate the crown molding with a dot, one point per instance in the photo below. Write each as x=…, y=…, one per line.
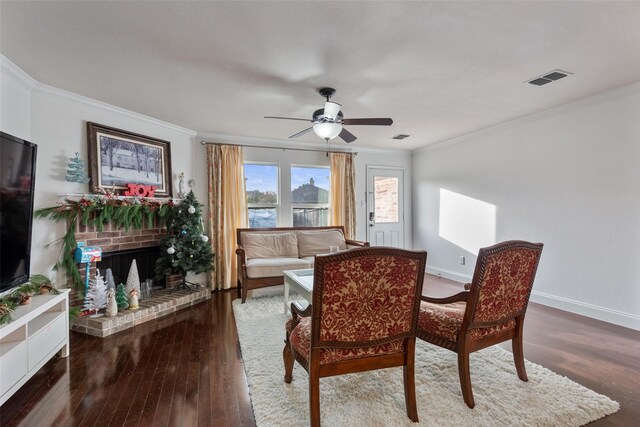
x=599, y=98
x=40, y=87
x=11, y=70
x=16, y=73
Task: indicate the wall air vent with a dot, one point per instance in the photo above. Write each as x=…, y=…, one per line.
x=400, y=136
x=549, y=77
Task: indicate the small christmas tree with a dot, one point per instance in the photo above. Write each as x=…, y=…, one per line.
x=111, y=284
x=185, y=248
x=75, y=170
x=133, y=280
x=96, y=297
x=121, y=297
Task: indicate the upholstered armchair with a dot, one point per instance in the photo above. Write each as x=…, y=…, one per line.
x=363, y=316
x=490, y=311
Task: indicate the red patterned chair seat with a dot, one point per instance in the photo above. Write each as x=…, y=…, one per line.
x=300, y=338
x=445, y=321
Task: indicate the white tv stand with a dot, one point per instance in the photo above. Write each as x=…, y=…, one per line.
x=38, y=331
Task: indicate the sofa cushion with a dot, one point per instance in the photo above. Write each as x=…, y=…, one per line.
x=318, y=242
x=273, y=267
x=258, y=245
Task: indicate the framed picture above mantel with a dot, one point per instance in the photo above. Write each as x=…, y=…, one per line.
x=118, y=157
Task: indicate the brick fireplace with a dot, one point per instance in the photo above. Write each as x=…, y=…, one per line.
x=113, y=240
x=132, y=242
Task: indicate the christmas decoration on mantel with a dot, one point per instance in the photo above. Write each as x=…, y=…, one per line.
x=98, y=210
x=185, y=248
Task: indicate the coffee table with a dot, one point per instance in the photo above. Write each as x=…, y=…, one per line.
x=299, y=280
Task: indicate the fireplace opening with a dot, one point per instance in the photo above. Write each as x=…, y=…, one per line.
x=120, y=262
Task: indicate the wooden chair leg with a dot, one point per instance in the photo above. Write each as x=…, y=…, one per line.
x=239, y=289
x=465, y=378
x=287, y=356
x=409, y=373
x=314, y=398
x=244, y=293
x=518, y=353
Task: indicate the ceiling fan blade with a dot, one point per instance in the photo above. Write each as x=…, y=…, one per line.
x=347, y=136
x=287, y=118
x=301, y=132
x=370, y=122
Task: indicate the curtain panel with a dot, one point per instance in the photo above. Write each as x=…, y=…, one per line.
x=343, y=193
x=227, y=210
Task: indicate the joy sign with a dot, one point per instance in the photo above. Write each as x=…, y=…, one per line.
x=140, y=190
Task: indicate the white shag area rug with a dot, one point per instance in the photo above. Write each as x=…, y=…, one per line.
x=376, y=398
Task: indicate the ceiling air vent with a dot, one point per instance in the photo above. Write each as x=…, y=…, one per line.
x=549, y=77
x=400, y=136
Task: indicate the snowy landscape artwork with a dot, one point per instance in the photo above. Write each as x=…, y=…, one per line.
x=118, y=158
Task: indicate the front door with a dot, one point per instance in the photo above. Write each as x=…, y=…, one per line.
x=385, y=206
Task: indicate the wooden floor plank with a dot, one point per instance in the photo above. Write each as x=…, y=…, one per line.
x=186, y=369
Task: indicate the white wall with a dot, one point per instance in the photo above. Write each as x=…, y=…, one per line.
x=15, y=100
x=55, y=120
x=567, y=177
x=286, y=158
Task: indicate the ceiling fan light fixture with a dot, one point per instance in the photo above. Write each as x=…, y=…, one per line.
x=327, y=130
x=331, y=109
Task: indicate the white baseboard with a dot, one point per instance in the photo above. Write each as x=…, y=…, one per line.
x=596, y=312
x=584, y=309
x=449, y=274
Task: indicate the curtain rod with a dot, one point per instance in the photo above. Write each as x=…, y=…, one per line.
x=355, y=153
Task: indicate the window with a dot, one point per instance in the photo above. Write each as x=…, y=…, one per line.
x=310, y=195
x=386, y=199
x=262, y=183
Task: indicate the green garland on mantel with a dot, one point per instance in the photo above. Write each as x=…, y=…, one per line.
x=97, y=211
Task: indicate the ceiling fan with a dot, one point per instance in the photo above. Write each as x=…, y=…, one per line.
x=328, y=121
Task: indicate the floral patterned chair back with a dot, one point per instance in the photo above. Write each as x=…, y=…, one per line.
x=366, y=297
x=502, y=282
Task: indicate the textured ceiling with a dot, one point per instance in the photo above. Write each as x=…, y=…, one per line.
x=439, y=69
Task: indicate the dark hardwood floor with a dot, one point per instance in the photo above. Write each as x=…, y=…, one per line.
x=186, y=369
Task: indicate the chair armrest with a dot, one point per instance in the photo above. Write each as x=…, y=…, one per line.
x=297, y=310
x=356, y=243
x=462, y=296
x=467, y=286
x=242, y=261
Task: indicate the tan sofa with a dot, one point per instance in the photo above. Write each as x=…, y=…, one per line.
x=264, y=253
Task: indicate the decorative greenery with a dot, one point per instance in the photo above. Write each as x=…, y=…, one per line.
x=7, y=306
x=185, y=248
x=97, y=211
x=37, y=283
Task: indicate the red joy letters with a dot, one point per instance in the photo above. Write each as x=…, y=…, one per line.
x=141, y=190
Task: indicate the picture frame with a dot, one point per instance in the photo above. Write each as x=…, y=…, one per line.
x=118, y=157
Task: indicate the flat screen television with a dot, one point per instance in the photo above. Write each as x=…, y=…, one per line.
x=17, y=185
